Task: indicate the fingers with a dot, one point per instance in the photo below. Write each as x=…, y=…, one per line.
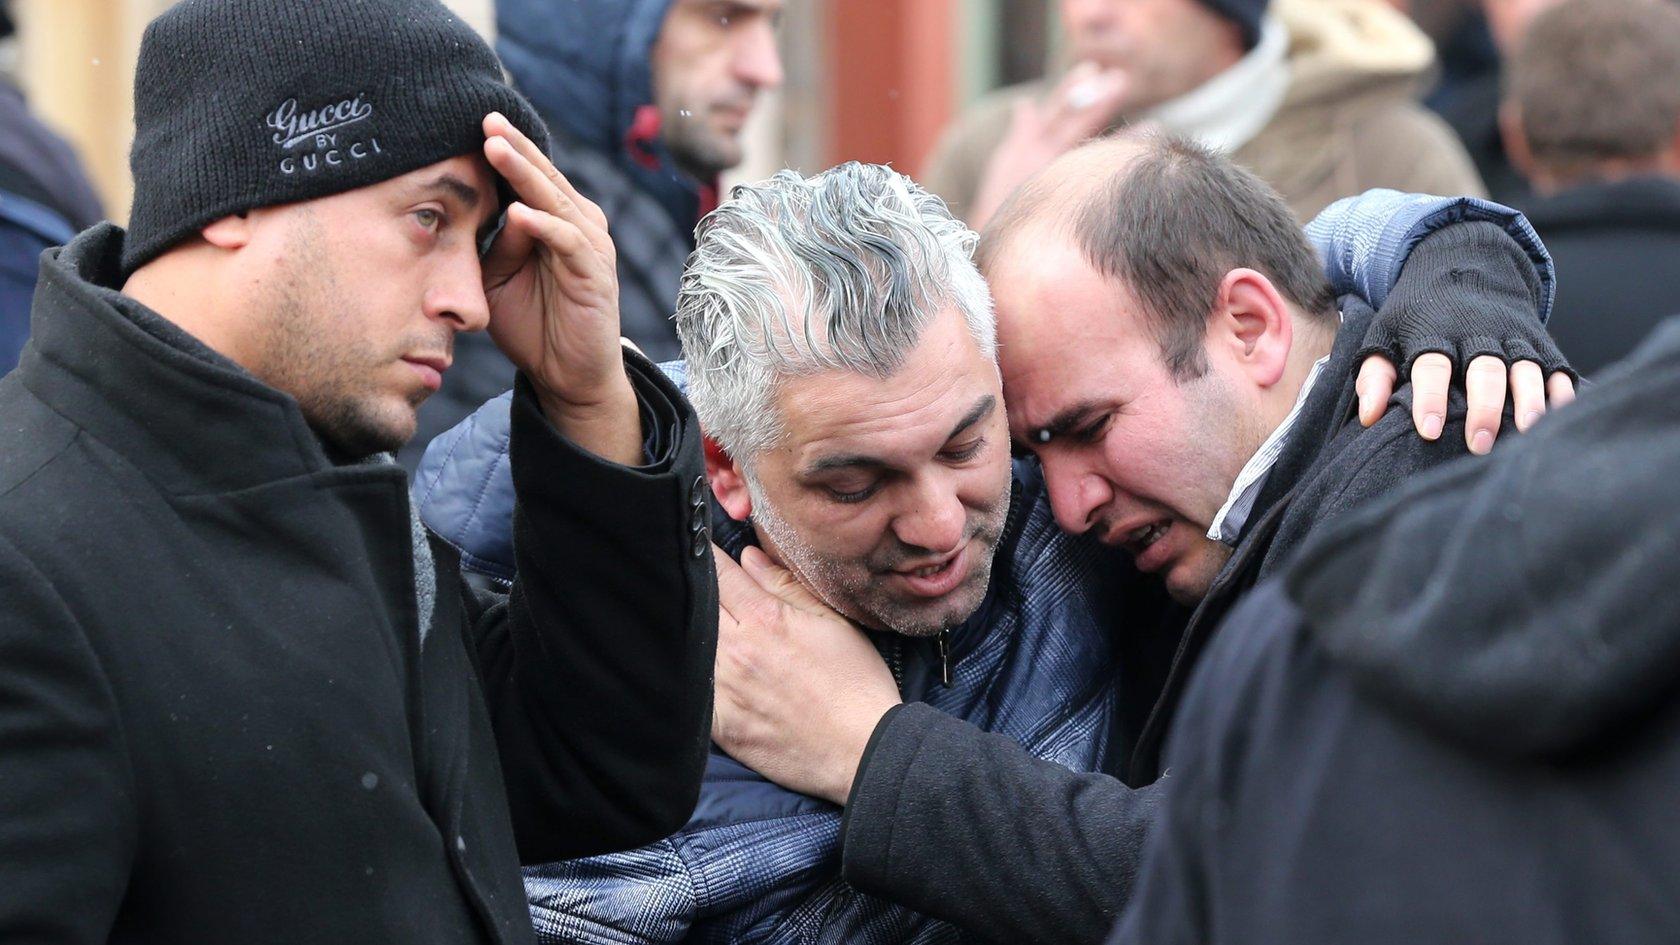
x=737, y=591
x=1484, y=388
x=1560, y=390
x=1084, y=102
x=778, y=580
x=1431, y=375
x=497, y=125
x=1528, y=394
x=1374, y=386
x=528, y=181
x=570, y=245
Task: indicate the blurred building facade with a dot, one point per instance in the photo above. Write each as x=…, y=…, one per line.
x=870, y=80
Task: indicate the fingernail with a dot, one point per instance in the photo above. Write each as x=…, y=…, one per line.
x=1481, y=443
x=1530, y=419
x=1432, y=424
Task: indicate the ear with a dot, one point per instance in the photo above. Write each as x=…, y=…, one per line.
x=1515, y=139
x=1253, y=325
x=729, y=483
x=232, y=232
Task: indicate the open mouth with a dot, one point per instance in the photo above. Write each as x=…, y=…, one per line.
x=933, y=569
x=934, y=580
x=1139, y=539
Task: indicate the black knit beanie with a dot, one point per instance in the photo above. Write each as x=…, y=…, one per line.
x=1247, y=14
x=241, y=104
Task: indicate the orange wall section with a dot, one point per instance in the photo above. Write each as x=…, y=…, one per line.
x=891, y=67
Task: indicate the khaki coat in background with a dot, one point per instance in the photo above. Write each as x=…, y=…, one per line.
x=1349, y=122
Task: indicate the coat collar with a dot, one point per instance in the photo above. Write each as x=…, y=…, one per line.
x=192, y=420
x=1638, y=201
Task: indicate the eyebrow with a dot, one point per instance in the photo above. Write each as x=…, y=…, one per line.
x=460, y=189
x=982, y=409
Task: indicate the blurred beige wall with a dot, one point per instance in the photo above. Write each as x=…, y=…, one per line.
x=76, y=62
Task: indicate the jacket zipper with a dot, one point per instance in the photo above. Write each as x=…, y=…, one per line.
x=944, y=644
x=895, y=660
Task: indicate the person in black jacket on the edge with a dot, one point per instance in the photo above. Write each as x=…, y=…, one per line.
x=244, y=696
x=1479, y=742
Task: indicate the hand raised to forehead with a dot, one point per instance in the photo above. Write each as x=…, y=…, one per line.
x=551, y=280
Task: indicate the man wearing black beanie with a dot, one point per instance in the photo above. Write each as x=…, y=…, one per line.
x=244, y=695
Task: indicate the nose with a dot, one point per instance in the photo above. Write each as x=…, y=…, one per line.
x=935, y=517
x=1075, y=493
x=758, y=62
x=457, y=294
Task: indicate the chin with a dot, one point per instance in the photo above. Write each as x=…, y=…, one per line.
x=361, y=430
x=1193, y=575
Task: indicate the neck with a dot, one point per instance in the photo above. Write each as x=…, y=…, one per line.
x=1550, y=181
x=1312, y=341
x=1237, y=96
x=179, y=287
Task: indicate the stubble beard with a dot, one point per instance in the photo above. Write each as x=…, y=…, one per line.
x=850, y=590
x=305, y=351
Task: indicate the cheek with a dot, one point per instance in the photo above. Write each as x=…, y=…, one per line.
x=987, y=482
x=836, y=531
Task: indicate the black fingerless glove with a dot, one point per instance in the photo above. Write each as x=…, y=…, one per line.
x=1466, y=290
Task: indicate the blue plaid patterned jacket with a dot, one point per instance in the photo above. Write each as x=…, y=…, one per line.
x=1038, y=662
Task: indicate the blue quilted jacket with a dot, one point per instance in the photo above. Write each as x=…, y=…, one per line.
x=1038, y=662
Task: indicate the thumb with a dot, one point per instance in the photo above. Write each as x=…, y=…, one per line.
x=778, y=580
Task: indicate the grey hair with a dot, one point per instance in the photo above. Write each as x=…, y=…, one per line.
x=796, y=276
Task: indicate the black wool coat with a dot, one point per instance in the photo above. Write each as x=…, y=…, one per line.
x=1454, y=717
x=220, y=718
x=1615, y=247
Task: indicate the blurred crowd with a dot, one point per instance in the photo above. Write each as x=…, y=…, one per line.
x=1166, y=518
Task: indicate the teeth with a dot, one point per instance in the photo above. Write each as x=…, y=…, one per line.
x=930, y=571
x=1148, y=535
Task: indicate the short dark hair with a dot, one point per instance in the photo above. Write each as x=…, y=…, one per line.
x=1169, y=221
x=1598, y=80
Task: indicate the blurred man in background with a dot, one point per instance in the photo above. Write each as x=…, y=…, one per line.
x=45, y=199
x=647, y=100
x=1315, y=96
x=1592, y=116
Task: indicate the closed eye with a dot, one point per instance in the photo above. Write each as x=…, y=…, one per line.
x=1092, y=432
x=849, y=498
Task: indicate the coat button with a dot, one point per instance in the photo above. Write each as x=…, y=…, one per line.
x=700, y=542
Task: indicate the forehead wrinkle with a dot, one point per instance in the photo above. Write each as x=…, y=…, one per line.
x=926, y=402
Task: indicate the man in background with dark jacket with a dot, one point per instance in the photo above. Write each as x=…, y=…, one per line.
x=646, y=100
x=1479, y=744
x=1593, y=119
x=244, y=696
x=45, y=199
